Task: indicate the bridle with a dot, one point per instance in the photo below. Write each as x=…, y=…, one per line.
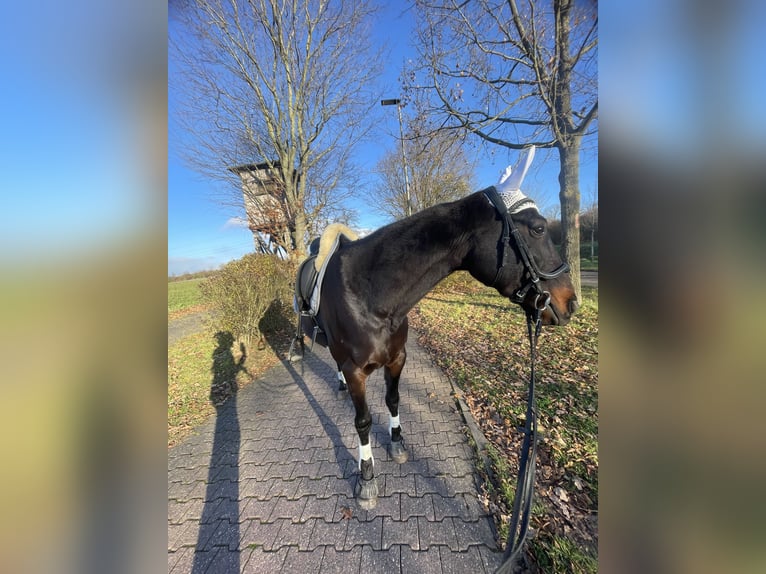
x=534, y=273
x=525, y=483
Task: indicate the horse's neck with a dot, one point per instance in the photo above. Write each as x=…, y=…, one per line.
x=413, y=255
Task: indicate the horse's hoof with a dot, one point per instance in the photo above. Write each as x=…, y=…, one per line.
x=398, y=452
x=342, y=387
x=367, y=497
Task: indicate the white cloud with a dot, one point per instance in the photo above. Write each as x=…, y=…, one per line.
x=235, y=222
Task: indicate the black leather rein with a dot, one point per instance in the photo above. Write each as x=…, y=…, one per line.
x=525, y=483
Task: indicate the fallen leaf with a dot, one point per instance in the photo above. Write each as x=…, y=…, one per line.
x=345, y=513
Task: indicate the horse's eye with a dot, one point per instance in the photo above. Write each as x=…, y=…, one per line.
x=538, y=230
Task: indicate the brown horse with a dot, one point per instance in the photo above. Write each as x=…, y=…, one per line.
x=371, y=284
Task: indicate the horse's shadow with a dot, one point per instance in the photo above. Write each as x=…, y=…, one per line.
x=279, y=341
x=276, y=330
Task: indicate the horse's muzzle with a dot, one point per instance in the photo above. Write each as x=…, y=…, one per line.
x=557, y=314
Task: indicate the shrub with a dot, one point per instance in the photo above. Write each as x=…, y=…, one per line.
x=243, y=290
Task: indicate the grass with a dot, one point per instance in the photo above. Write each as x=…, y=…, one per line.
x=480, y=341
x=587, y=264
x=184, y=297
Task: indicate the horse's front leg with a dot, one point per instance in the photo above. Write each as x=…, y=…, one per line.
x=341, y=380
x=391, y=373
x=367, y=495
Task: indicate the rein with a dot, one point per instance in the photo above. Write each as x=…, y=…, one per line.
x=525, y=483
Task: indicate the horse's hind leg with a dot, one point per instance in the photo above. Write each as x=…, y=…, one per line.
x=367, y=497
x=391, y=373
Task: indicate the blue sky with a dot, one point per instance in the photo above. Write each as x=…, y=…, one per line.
x=200, y=233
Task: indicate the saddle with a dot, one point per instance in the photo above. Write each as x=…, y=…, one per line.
x=308, y=281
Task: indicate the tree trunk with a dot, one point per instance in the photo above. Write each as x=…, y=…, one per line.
x=569, y=180
x=299, y=235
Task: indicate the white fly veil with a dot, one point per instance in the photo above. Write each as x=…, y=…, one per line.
x=509, y=185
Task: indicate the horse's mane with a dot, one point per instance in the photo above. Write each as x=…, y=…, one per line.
x=328, y=238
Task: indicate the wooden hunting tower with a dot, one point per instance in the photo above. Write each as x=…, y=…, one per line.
x=264, y=196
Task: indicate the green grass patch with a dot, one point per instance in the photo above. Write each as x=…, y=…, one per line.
x=587, y=264
x=183, y=295
x=479, y=339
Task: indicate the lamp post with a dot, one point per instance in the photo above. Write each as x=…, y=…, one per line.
x=397, y=102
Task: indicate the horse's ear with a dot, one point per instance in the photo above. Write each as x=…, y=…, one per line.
x=520, y=169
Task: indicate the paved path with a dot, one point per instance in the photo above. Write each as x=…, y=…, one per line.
x=589, y=278
x=267, y=486
x=185, y=326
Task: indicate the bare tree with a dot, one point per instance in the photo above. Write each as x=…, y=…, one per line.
x=515, y=74
x=438, y=171
x=281, y=84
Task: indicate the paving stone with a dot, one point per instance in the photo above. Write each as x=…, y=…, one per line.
x=252, y=488
x=448, y=507
x=205, y=561
x=330, y=534
x=335, y=561
x=175, y=535
x=397, y=532
x=437, y=533
x=434, y=485
x=285, y=488
x=177, y=511
x=255, y=509
x=491, y=558
x=316, y=487
x=261, y=561
x=323, y=508
x=295, y=534
x=401, y=484
x=388, y=506
x=225, y=561
x=173, y=557
x=303, y=562
x=381, y=561
x=226, y=534
x=285, y=508
x=257, y=534
x=472, y=533
x=187, y=475
x=341, y=487
x=417, y=506
x=462, y=562
x=306, y=468
x=189, y=559
x=423, y=561
x=364, y=533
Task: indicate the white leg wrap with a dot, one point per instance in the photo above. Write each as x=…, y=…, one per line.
x=341, y=378
x=393, y=422
x=365, y=453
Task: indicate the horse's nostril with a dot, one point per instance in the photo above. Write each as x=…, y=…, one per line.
x=573, y=305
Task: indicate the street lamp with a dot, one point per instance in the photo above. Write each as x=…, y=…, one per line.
x=397, y=102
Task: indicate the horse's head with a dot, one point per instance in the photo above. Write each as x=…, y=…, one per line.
x=537, y=258
x=538, y=279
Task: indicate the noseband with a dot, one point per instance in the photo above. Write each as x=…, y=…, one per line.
x=534, y=273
